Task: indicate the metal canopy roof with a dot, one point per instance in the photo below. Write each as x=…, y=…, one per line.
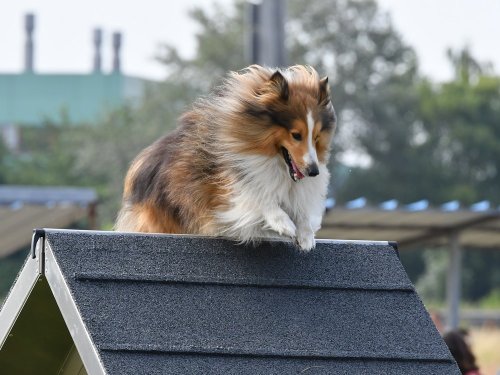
x=477, y=225
x=23, y=208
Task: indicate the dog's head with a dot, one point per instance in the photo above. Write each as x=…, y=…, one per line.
x=296, y=105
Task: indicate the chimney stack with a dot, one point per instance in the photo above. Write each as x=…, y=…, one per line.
x=97, y=50
x=29, y=25
x=117, y=42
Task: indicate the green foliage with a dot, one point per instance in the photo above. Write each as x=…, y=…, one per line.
x=374, y=76
x=9, y=268
x=492, y=300
x=413, y=263
x=372, y=73
x=94, y=155
x=431, y=285
x=49, y=160
x=449, y=134
x=480, y=277
x=4, y=155
x=462, y=120
x=352, y=41
x=480, y=273
x=106, y=149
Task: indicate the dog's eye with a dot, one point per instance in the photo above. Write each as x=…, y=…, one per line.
x=297, y=136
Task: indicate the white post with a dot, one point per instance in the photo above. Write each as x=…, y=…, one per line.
x=453, y=286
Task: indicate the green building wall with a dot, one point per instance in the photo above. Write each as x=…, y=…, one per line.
x=30, y=98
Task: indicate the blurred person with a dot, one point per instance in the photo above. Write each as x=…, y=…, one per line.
x=465, y=335
x=461, y=352
x=437, y=320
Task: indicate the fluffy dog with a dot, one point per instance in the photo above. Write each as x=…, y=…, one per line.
x=246, y=162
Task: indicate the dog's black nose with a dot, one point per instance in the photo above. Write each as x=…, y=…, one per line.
x=313, y=170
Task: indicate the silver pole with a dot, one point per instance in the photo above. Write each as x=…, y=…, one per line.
x=252, y=33
x=272, y=33
x=453, y=288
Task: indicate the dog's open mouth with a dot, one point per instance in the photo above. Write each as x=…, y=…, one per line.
x=295, y=172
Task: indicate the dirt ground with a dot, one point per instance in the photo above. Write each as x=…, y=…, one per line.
x=485, y=343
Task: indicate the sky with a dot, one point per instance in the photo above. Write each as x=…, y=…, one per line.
x=63, y=33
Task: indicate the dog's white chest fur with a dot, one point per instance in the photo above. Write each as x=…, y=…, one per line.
x=266, y=202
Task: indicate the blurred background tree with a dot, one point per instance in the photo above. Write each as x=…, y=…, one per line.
x=461, y=119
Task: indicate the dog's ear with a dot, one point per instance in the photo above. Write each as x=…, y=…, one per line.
x=279, y=85
x=324, y=91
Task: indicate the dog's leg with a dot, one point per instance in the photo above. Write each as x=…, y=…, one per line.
x=308, y=208
x=278, y=220
x=305, y=236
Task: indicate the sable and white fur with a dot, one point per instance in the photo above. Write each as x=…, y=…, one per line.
x=246, y=162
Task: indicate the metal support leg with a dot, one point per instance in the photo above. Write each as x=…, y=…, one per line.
x=453, y=287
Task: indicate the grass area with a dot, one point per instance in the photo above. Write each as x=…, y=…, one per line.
x=465, y=306
x=485, y=342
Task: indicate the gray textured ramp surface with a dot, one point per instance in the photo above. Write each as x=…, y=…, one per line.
x=157, y=304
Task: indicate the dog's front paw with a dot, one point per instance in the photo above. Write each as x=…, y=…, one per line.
x=305, y=240
x=281, y=223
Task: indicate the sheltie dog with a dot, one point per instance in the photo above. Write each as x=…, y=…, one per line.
x=249, y=161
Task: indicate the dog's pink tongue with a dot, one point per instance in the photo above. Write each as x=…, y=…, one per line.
x=299, y=174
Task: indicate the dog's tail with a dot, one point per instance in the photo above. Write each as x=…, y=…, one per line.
x=126, y=221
